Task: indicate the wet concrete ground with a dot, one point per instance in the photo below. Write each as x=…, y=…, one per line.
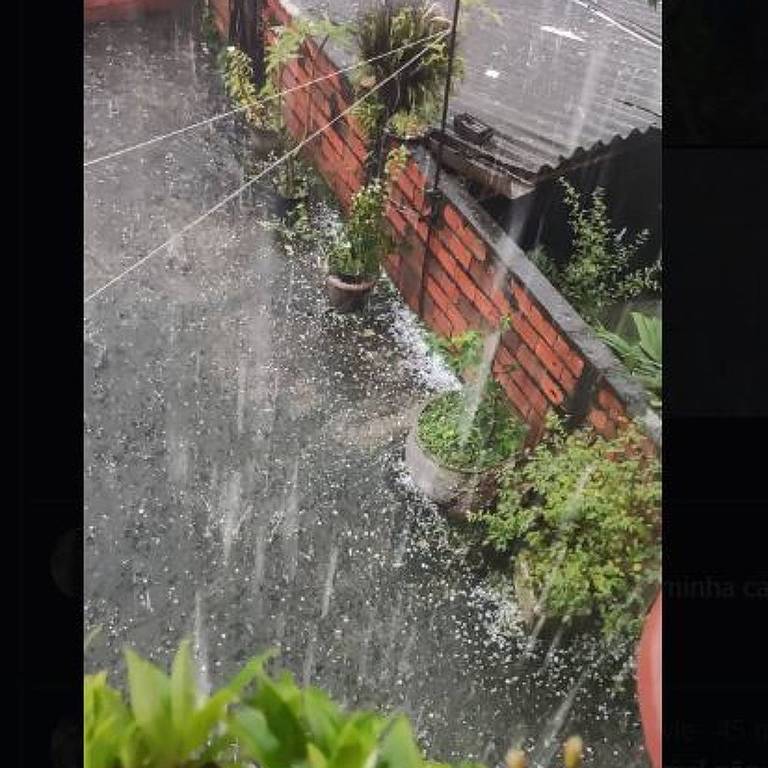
x=243, y=450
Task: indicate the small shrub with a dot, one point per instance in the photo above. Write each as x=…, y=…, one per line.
x=587, y=512
x=239, y=83
x=600, y=271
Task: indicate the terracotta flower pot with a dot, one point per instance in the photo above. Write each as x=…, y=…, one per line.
x=346, y=295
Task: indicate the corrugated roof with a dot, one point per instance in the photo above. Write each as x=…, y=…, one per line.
x=555, y=75
x=560, y=75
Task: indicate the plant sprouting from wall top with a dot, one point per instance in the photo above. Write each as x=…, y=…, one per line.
x=601, y=270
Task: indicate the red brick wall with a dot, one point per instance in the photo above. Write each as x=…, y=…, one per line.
x=220, y=10
x=461, y=282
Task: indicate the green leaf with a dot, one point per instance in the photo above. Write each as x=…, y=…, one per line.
x=315, y=757
x=322, y=719
x=356, y=744
x=251, y=729
x=398, y=747
x=282, y=722
x=149, y=692
x=183, y=687
x=213, y=711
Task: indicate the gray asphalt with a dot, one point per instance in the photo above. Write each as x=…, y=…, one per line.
x=243, y=449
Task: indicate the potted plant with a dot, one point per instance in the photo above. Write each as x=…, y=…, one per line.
x=462, y=437
x=355, y=258
x=387, y=35
x=581, y=516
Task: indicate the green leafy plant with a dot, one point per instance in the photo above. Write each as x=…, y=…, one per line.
x=461, y=439
x=239, y=84
x=290, y=44
x=586, y=512
x=408, y=125
x=474, y=428
x=168, y=722
x=418, y=88
x=643, y=356
x=257, y=719
x=364, y=240
x=600, y=271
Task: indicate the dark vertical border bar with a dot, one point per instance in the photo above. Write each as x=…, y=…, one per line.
x=715, y=409
x=49, y=625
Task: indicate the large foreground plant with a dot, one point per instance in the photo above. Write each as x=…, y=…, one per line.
x=587, y=513
x=255, y=720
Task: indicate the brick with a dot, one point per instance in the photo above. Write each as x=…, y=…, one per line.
x=470, y=314
x=488, y=310
x=411, y=282
x=437, y=293
x=396, y=220
x=437, y=320
x=521, y=297
x=516, y=395
x=530, y=363
x=320, y=103
x=500, y=301
x=407, y=186
x=417, y=177
x=392, y=260
x=504, y=357
x=542, y=325
x=525, y=330
x=548, y=357
x=571, y=359
x=456, y=247
x=445, y=282
x=530, y=390
x=465, y=284
x=551, y=389
x=536, y=429
x=482, y=275
x=567, y=379
x=598, y=419
x=453, y=218
x=474, y=243
x=511, y=340
x=442, y=255
x=610, y=403
x=338, y=144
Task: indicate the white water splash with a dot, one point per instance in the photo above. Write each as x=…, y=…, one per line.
x=201, y=646
x=428, y=367
x=566, y=33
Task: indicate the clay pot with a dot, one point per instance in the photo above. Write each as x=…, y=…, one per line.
x=346, y=295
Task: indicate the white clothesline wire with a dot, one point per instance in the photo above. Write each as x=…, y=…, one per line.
x=256, y=178
x=243, y=107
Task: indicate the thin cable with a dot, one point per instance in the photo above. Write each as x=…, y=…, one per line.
x=242, y=108
x=263, y=173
